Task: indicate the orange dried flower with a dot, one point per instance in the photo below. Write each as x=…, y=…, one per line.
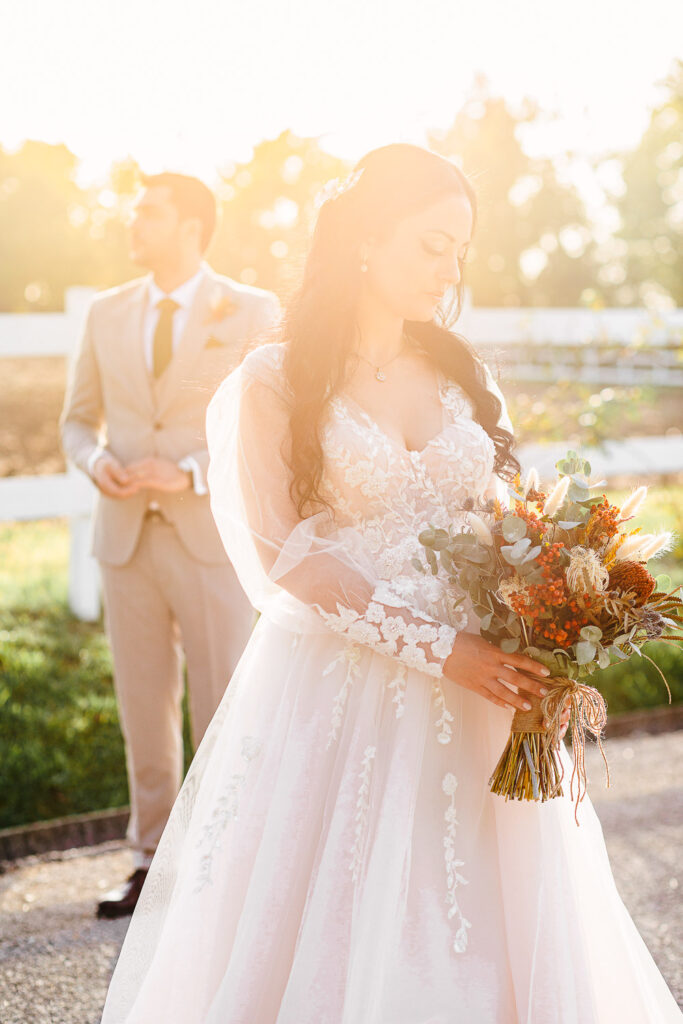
x=631, y=577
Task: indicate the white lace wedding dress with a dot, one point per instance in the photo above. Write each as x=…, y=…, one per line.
x=335, y=855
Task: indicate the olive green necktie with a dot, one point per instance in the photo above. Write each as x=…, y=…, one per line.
x=163, y=335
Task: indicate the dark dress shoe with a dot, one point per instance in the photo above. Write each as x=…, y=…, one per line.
x=121, y=901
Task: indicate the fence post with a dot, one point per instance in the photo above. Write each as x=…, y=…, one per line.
x=84, y=575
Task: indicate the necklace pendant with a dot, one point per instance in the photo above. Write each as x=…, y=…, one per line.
x=380, y=375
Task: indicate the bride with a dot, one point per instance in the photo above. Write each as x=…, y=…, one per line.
x=335, y=855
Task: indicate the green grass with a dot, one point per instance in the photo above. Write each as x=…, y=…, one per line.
x=62, y=751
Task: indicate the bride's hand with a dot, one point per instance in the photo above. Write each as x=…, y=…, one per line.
x=479, y=665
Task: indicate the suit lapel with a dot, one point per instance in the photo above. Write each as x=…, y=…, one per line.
x=189, y=346
x=133, y=347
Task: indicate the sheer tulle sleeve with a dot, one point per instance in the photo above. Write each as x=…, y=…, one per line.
x=304, y=573
x=497, y=487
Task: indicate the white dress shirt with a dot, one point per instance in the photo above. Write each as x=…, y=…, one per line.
x=184, y=295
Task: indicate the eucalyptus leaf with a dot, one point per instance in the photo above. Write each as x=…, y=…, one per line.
x=663, y=583
x=603, y=658
x=575, y=493
x=591, y=633
x=569, y=525
x=441, y=540
x=585, y=652
x=520, y=546
x=507, y=551
x=426, y=538
x=509, y=645
x=477, y=555
x=513, y=528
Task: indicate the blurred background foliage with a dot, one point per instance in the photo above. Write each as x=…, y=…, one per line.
x=535, y=244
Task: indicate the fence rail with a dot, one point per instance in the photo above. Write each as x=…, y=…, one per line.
x=607, y=346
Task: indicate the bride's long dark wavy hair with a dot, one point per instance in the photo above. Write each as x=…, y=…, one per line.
x=385, y=186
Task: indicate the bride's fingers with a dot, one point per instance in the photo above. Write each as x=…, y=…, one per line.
x=506, y=693
x=532, y=684
x=497, y=700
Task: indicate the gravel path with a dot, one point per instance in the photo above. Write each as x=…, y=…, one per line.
x=56, y=957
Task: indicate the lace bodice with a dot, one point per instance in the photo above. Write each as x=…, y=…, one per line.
x=355, y=569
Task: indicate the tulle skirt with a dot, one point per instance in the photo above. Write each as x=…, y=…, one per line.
x=335, y=857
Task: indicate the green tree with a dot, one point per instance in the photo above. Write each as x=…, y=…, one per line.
x=533, y=243
x=651, y=206
x=267, y=206
x=42, y=237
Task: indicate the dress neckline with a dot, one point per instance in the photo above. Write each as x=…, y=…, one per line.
x=442, y=384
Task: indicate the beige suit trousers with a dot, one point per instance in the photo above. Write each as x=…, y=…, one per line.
x=160, y=601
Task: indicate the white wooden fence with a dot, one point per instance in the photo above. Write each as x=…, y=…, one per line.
x=611, y=345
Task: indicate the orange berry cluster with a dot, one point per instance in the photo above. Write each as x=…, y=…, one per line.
x=530, y=518
x=603, y=520
x=552, y=594
x=550, y=555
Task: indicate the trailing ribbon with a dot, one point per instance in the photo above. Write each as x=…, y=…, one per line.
x=588, y=714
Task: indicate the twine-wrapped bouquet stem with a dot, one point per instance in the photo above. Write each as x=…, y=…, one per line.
x=530, y=767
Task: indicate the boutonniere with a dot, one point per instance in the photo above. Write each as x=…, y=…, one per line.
x=220, y=307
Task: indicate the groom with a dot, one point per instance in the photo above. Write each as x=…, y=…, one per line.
x=152, y=354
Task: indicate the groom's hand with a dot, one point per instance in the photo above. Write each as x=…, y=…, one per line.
x=112, y=478
x=159, y=475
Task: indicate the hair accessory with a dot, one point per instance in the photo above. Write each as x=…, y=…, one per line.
x=337, y=187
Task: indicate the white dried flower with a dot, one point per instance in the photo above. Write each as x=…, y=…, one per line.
x=556, y=496
x=632, y=545
x=532, y=481
x=633, y=502
x=656, y=545
x=480, y=528
x=585, y=571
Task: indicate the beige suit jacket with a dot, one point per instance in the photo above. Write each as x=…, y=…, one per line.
x=110, y=390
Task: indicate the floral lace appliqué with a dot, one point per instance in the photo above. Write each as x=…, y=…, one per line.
x=397, y=683
x=443, y=722
x=225, y=810
x=409, y=642
x=453, y=876
x=362, y=806
x=350, y=655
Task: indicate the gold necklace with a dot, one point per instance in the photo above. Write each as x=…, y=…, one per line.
x=379, y=370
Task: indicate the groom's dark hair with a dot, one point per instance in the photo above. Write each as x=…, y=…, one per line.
x=191, y=198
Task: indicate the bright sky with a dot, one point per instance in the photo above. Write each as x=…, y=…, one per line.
x=191, y=84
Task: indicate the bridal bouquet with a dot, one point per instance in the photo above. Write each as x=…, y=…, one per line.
x=560, y=578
